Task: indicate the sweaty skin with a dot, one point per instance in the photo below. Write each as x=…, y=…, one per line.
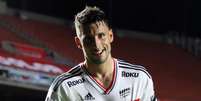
x=95, y=41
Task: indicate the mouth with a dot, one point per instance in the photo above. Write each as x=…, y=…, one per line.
x=99, y=52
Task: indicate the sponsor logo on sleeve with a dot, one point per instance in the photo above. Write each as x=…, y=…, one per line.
x=75, y=82
x=129, y=74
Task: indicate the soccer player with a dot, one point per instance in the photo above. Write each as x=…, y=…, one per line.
x=101, y=77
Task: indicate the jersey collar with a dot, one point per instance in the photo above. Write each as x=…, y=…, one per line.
x=97, y=84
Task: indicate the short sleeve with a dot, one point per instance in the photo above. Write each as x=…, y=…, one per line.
x=60, y=94
x=149, y=93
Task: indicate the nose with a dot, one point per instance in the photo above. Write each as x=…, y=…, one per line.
x=96, y=42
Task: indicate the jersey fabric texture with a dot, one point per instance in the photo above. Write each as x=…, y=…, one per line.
x=130, y=83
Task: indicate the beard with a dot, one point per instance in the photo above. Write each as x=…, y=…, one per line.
x=100, y=58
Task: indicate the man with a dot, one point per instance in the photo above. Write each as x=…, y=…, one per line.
x=100, y=77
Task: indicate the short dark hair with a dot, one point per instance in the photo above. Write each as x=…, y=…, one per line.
x=90, y=15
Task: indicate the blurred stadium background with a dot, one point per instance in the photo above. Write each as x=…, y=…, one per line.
x=37, y=44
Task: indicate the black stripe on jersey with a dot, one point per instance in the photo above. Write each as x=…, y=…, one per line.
x=71, y=71
x=65, y=76
x=132, y=67
x=119, y=60
x=74, y=69
x=153, y=98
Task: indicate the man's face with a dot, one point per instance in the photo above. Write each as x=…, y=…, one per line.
x=95, y=41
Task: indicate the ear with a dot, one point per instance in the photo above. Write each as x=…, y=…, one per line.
x=78, y=43
x=111, y=36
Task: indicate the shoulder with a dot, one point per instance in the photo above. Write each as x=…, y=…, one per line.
x=75, y=71
x=126, y=66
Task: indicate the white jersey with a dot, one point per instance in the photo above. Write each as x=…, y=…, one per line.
x=130, y=83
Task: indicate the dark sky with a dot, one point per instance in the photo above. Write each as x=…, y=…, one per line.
x=158, y=16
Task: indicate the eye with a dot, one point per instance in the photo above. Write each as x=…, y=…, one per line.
x=101, y=35
x=87, y=40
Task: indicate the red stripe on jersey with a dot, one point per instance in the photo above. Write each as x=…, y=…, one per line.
x=100, y=84
x=113, y=77
x=106, y=90
x=137, y=99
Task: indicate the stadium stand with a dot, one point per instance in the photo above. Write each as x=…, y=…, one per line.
x=24, y=66
x=176, y=72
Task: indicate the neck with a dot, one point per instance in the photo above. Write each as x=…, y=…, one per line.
x=101, y=70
